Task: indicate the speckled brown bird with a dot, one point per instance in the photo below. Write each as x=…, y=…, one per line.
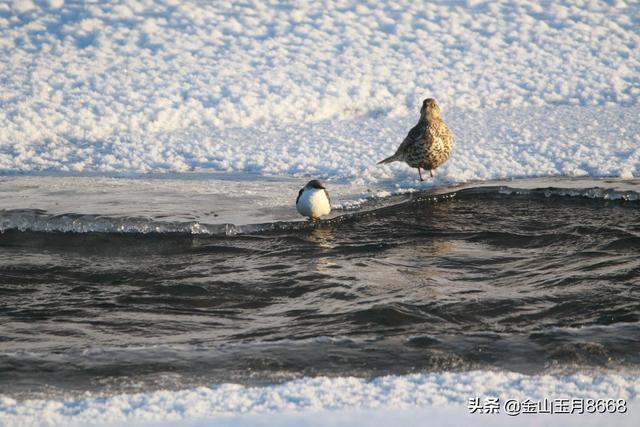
x=428, y=143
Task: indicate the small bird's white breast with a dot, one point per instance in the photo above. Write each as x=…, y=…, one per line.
x=314, y=203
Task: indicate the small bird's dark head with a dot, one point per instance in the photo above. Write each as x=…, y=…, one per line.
x=430, y=109
x=315, y=184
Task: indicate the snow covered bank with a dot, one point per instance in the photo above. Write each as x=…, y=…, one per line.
x=493, y=144
x=306, y=397
x=318, y=89
x=449, y=416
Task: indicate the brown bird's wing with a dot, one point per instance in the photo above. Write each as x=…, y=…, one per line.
x=299, y=194
x=414, y=134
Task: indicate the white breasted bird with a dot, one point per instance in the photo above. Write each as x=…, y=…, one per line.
x=313, y=200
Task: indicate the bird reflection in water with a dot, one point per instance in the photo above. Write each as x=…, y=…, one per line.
x=322, y=238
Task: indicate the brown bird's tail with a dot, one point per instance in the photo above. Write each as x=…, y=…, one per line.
x=393, y=158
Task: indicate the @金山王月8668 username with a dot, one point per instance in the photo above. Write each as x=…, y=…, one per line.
x=493, y=405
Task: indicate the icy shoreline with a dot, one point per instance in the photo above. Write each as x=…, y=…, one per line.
x=202, y=204
x=308, y=396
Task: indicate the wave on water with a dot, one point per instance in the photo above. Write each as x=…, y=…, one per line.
x=38, y=220
x=590, y=193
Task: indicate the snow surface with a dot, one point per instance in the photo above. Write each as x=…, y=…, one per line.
x=309, y=396
x=320, y=89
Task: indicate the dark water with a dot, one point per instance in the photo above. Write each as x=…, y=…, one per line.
x=523, y=282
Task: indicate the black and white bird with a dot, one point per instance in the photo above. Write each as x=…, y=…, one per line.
x=313, y=200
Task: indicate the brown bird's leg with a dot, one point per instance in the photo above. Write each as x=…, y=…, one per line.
x=430, y=173
x=420, y=173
